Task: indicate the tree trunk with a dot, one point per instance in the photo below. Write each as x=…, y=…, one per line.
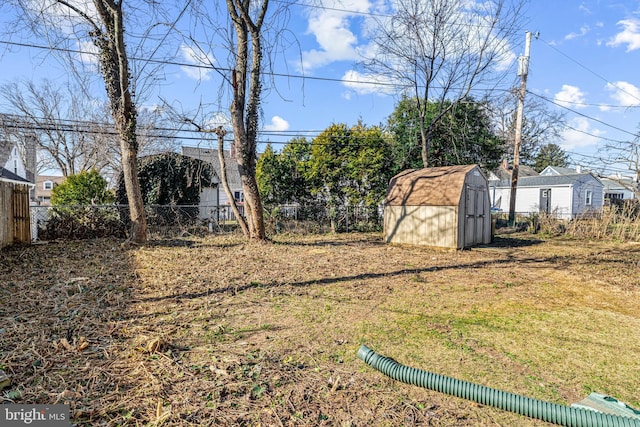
x=253, y=205
x=244, y=112
x=225, y=183
x=138, y=229
x=114, y=66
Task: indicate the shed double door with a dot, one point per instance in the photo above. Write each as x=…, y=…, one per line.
x=476, y=215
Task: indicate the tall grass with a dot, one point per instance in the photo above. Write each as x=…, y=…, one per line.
x=617, y=222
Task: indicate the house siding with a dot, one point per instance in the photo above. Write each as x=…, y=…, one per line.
x=208, y=202
x=616, y=190
x=568, y=195
x=580, y=197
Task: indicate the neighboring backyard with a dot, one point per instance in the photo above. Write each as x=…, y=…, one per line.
x=213, y=331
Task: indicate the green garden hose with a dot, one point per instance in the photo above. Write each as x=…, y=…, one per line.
x=533, y=408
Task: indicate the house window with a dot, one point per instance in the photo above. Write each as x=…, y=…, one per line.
x=238, y=196
x=589, y=197
x=47, y=185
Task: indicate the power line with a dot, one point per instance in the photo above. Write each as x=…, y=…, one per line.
x=586, y=104
x=208, y=66
x=600, y=160
x=90, y=127
x=589, y=69
x=25, y=123
x=584, y=115
x=305, y=133
x=464, y=25
x=335, y=9
x=229, y=70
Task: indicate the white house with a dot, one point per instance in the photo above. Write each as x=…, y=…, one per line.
x=215, y=199
x=566, y=196
x=616, y=187
x=11, y=160
x=558, y=170
x=619, y=188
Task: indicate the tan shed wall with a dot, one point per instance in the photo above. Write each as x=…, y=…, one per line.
x=465, y=223
x=422, y=225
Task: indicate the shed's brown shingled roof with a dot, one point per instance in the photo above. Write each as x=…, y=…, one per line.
x=441, y=186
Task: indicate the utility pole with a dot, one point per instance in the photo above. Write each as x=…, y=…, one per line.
x=523, y=71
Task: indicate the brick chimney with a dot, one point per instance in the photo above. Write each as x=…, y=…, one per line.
x=31, y=160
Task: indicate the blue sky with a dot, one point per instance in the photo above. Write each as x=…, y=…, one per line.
x=584, y=62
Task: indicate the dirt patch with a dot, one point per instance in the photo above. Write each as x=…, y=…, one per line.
x=214, y=331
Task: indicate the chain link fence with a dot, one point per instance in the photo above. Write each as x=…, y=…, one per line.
x=85, y=222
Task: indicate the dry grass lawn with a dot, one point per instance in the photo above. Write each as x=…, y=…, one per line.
x=214, y=331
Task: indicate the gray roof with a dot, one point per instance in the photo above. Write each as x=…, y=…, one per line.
x=10, y=176
x=546, y=180
x=618, y=184
x=523, y=170
x=558, y=170
x=211, y=155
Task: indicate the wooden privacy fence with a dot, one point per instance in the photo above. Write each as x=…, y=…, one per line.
x=15, y=223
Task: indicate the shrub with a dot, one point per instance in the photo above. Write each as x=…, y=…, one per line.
x=85, y=188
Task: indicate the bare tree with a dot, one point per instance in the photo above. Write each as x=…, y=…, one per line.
x=540, y=125
x=154, y=135
x=59, y=119
x=221, y=132
x=625, y=153
x=97, y=30
x=247, y=90
x=245, y=41
x=440, y=50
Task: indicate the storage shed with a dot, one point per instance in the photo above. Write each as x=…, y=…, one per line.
x=444, y=206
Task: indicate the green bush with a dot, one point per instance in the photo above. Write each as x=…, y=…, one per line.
x=84, y=188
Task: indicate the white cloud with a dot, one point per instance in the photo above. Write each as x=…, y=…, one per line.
x=218, y=119
x=195, y=56
x=331, y=27
x=583, y=32
x=88, y=53
x=624, y=94
x=579, y=134
x=570, y=96
x=584, y=9
x=364, y=84
x=505, y=60
x=277, y=124
x=629, y=36
x=61, y=15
